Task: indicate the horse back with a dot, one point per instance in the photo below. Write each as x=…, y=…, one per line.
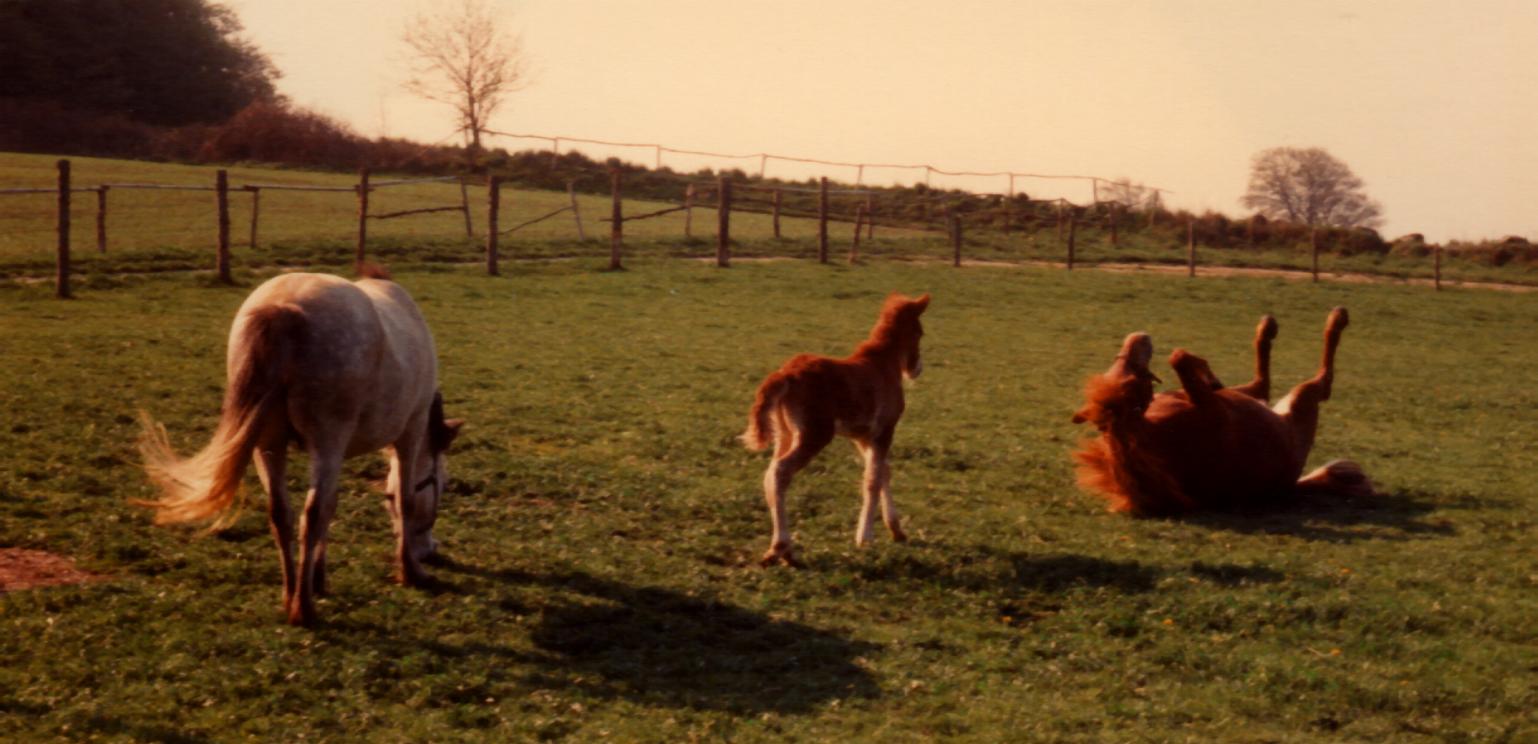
x=855, y=396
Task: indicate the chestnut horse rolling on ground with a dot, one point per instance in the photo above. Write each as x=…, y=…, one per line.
x=811, y=398
x=338, y=369
x=1207, y=446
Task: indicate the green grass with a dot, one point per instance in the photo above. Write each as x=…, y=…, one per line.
x=151, y=231
x=605, y=524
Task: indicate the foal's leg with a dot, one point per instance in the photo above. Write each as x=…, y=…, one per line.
x=809, y=439
x=1301, y=406
x=272, y=468
x=870, y=491
x=883, y=468
x=319, y=508
x=1260, y=387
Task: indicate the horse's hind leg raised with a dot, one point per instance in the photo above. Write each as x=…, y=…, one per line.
x=809, y=439
x=1301, y=406
x=1260, y=387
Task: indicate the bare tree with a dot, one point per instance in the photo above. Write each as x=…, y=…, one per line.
x=1309, y=186
x=462, y=57
x=1123, y=190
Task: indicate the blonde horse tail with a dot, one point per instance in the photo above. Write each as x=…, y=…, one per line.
x=758, y=434
x=206, y=486
x=1342, y=478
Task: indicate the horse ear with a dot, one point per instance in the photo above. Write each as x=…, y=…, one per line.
x=922, y=302
x=451, y=429
x=1080, y=416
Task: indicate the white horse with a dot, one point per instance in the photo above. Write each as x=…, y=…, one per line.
x=339, y=369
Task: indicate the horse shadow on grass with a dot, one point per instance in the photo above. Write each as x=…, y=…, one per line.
x=661, y=647
x=1398, y=515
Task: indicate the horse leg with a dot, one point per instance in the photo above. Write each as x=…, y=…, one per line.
x=810, y=438
x=870, y=491
x=1196, y=376
x=884, y=472
x=319, y=508
x=272, y=468
x=1300, y=409
x=1260, y=387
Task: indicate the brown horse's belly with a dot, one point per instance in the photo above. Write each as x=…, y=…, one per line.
x=1232, y=454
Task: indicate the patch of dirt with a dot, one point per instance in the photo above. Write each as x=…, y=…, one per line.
x=21, y=568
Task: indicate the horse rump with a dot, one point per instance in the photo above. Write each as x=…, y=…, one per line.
x=206, y=486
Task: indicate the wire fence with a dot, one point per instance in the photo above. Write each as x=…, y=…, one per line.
x=178, y=225
x=1007, y=178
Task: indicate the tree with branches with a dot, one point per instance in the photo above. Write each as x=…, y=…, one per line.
x=463, y=57
x=1124, y=191
x=1309, y=186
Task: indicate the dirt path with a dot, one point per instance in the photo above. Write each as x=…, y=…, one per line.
x=1291, y=274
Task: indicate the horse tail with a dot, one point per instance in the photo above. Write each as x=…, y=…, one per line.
x=206, y=486
x=758, y=436
x=1342, y=478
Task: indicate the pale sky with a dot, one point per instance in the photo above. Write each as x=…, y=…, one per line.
x=1433, y=104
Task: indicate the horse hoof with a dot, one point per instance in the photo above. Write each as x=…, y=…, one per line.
x=1339, y=319
x=780, y=555
x=899, y=536
x=1267, y=329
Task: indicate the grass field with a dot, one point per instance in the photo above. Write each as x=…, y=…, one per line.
x=604, y=525
x=152, y=231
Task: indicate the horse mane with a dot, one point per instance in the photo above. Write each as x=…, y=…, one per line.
x=897, y=316
x=1112, y=464
x=371, y=270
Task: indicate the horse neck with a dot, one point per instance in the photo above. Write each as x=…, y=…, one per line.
x=883, y=352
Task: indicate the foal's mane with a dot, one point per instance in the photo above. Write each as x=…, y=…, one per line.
x=897, y=319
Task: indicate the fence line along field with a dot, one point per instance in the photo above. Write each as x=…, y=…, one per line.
x=412, y=221
x=603, y=524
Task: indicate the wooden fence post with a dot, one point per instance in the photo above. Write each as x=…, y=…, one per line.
x=61, y=278
x=493, y=214
x=1190, y=248
x=776, y=214
x=101, y=219
x=822, y=221
x=1073, y=229
x=1111, y=215
x=1060, y=221
x=1436, y=276
x=1313, y=242
x=362, y=250
x=724, y=225
x=955, y=220
x=576, y=214
x=256, y=210
x=222, y=196
x=1249, y=232
x=859, y=224
x=617, y=220
x=464, y=204
x=689, y=212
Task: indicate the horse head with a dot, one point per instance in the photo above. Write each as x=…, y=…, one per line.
x=432, y=462
x=1124, y=391
x=900, y=316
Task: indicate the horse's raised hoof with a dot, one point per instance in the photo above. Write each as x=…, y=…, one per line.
x=1266, y=331
x=1338, y=320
